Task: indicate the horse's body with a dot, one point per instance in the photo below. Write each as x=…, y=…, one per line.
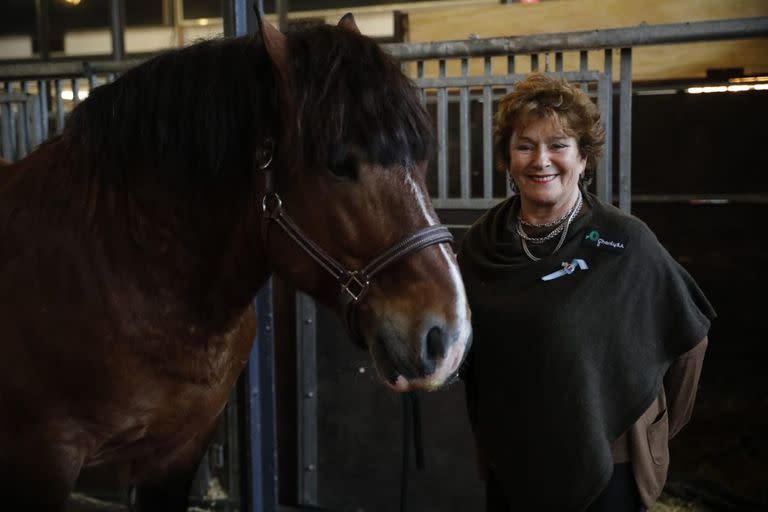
x=132, y=245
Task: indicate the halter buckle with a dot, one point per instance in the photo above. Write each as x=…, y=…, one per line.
x=355, y=285
x=271, y=204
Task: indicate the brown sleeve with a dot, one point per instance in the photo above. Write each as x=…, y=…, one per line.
x=680, y=384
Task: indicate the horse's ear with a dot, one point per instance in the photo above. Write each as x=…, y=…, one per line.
x=276, y=44
x=348, y=22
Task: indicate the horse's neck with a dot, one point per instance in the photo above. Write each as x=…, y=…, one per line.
x=198, y=254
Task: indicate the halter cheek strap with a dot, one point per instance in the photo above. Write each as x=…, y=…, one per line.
x=353, y=284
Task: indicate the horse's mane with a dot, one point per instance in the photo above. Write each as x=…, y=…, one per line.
x=197, y=111
x=349, y=91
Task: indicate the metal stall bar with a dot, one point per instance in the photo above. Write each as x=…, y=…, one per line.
x=625, y=136
x=43, y=126
x=510, y=70
x=442, y=135
x=75, y=84
x=306, y=370
x=420, y=74
x=117, y=28
x=59, y=106
x=33, y=122
x=22, y=124
x=488, y=133
x=604, y=178
x=258, y=460
x=465, y=145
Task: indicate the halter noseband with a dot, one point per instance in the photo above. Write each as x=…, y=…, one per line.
x=353, y=284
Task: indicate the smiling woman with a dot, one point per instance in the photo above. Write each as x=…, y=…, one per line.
x=569, y=353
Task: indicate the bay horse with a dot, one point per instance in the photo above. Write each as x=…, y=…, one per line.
x=132, y=246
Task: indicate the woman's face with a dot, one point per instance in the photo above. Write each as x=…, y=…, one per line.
x=545, y=164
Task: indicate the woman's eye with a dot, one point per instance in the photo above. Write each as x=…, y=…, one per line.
x=559, y=146
x=524, y=147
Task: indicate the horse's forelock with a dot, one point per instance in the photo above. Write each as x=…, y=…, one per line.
x=348, y=91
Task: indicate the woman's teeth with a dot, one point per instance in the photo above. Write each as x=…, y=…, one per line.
x=542, y=179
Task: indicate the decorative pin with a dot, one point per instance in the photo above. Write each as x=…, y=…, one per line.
x=568, y=268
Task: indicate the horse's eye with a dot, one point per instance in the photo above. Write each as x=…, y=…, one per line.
x=345, y=169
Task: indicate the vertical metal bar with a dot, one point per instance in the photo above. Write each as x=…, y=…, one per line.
x=6, y=139
x=43, y=18
x=43, y=91
x=117, y=28
x=558, y=61
x=59, y=107
x=583, y=65
x=33, y=123
x=534, y=62
x=282, y=14
x=605, y=168
x=259, y=432
x=12, y=135
x=487, y=133
x=625, y=129
x=23, y=141
x=419, y=75
x=243, y=19
x=442, y=136
x=510, y=70
x=234, y=477
x=75, y=91
x=464, y=130
x=259, y=451
x=306, y=370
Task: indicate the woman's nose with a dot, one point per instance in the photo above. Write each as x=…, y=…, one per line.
x=541, y=158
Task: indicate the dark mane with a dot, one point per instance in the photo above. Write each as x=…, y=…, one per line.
x=197, y=111
x=349, y=90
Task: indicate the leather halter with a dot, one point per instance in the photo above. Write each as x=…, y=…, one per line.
x=353, y=284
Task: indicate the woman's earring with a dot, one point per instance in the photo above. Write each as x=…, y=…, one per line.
x=511, y=184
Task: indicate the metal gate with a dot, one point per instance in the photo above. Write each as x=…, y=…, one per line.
x=32, y=107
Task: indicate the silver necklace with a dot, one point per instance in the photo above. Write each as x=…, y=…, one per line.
x=563, y=228
x=546, y=224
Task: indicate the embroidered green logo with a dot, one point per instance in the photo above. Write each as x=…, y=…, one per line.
x=593, y=235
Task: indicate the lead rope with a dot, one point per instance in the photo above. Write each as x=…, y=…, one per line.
x=411, y=419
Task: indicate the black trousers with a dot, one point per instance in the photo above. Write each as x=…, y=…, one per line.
x=620, y=495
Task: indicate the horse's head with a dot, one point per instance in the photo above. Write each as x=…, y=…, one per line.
x=349, y=169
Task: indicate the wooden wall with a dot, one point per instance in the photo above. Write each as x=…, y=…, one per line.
x=649, y=63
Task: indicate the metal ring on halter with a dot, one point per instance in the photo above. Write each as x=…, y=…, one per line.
x=264, y=202
x=271, y=144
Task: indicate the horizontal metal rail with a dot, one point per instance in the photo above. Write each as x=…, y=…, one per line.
x=641, y=35
x=49, y=70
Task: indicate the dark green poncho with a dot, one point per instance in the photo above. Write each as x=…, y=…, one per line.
x=561, y=368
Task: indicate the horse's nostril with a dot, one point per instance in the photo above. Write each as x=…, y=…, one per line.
x=435, y=343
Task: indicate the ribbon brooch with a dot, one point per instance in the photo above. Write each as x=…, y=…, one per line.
x=568, y=268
